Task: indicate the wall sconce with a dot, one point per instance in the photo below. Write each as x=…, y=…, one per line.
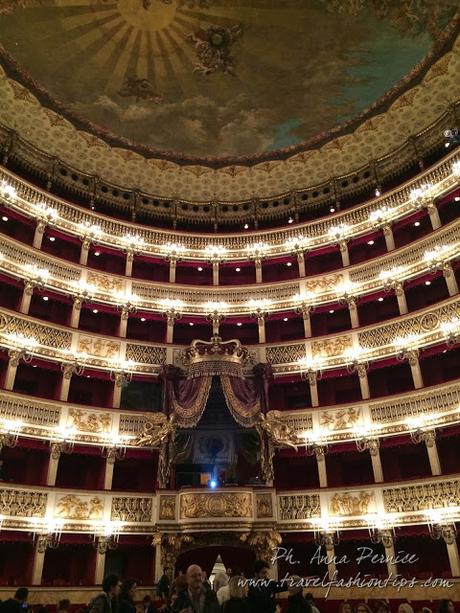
x=326, y=533
x=8, y=191
x=114, y=447
x=311, y=369
x=173, y=251
x=73, y=363
x=437, y=258
x=46, y=533
x=420, y=430
x=315, y=443
x=441, y=523
x=9, y=432
x=257, y=251
x=259, y=308
x=392, y=279
x=62, y=441
x=127, y=303
x=419, y=196
x=381, y=216
x=82, y=292
x=381, y=529
x=106, y=535
x=366, y=438
x=297, y=244
x=215, y=253
x=120, y=372
x=357, y=361
x=35, y=277
x=132, y=244
x=456, y=168
x=407, y=348
x=90, y=233
x=21, y=348
x=45, y=215
x=451, y=331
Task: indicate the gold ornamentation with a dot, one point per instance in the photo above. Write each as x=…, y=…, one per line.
x=331, y=347
x=279, y=432
x=98, y=347
x=90, y=422
x=22, y=503
x=285, y=354
x=105, y=283
x=324, y=284
x=264, y=543
x=146, y=354
x=215, y=357
x=131, y=508
x=349, y=504
x=156, y=431
x=422, y=496
x=299, y=506
x=341, y=419
x=264, y=506
x=72, y=506
x=167, y=507
x=198, y=506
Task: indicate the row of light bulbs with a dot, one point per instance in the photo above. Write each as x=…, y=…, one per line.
x=433, y=259
x=135, y=243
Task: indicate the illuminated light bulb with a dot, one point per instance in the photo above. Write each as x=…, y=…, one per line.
x=191, y=323
x=246, y=226
x=142, y=318
x=285, y=318
x=370, y=243
x=239, y=323
x=95, y=311
x=97, y=253
x=331, y=311
x=417, y=224
x=237, y=269
x=4, y=218
x=332, y=210
x=200, y=269
x=288, y=263
x=380, y=299
x=52, y=239
x=45, y=298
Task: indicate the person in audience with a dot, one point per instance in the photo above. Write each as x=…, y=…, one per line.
x=163, y=584
x=229, y=572
x=126, y=601
x=237, y=601
x=405, y=607
x=381, y=606
x=206, y=583
x=345, y=607
x=296, y=602
x=196, y=598
x=446, y=606
x=362, y=607
x=311, y=601
x=220, y=580
x=261, y=595
x=63, y=606
x=104, y=602
x=16, y=604
x=147, y=605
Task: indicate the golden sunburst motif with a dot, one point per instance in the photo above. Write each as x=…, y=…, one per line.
x=214, y=77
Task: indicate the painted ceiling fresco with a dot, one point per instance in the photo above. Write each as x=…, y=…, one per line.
x=219, y=77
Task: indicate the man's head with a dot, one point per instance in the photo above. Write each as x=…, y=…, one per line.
x=21, y=594
x=229, y=571
x=194, y=578
x=261, y=569
x=112, y=585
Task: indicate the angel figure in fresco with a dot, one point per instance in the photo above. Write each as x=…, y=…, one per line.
x=141, y=89
x=213, y=48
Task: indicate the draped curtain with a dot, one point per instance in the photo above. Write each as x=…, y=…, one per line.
x=187, y=398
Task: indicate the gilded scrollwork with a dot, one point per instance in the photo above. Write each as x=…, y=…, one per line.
x=132, y=508
x=216, y=504
x=98, y=347
x=22, y=502
x=87, y=421
x=72, y=506
x=331, y=347
x=167, y=507
x=351, y=504
x=341, y=419
x=105, y=283
x=263, y=543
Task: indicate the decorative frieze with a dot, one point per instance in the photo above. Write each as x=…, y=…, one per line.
x=106, y=283
x=90, y=421
x=98, y=347
x=352, y=503
x=72, y=506
x=132, y=509
x=331, y=347
x=146, y=354
x=216, y=504
x=167, y=508
x=298, y=506
x=22, y=502
x=422, y=496
x=285, y=354
x=264, y=506
x=340, y=419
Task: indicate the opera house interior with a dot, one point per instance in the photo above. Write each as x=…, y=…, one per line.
x=229, y=299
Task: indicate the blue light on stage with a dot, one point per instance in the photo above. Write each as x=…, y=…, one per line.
x=213, y=484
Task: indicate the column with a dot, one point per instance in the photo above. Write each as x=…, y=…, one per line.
x=429, y=438
x=451, y=281
x=434, y=215
x=321, y=463
x=13, y=364
x=129, y=263
x=401, y=298
x=215, y=273
x=313, y=382
x=374, y=446
x=67, y=372
x=448, y=536
x=351, y=302
x=26, y=297
x=306, y=321
x=172, y=270
x=53, y=464
x=363, y=381
x=109, y=466
x=388, y=543
x=261, y=327
x=117, y=387
x=100, y=560
x=344, y=253
x=258, y=265
x=39, y=558
x=158, y=563
x=84, y=252
x=123, y=326
x=389, y=238
x=216, y=319
x=170, y=328
x=330, y=554
x=76, y=311
x=412, y=357
x=301, y=263
x=38, y=235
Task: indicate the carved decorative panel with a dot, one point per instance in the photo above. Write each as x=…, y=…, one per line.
x=340, y=419
x=231, y=504
x=167, y=507
x=106, y=283
x=299, y=506
x=264, y=506
x=133, y=509
x=29, y=411
x=285, y=354
x=146, y=354
x=89, y=421
x=98, y=347
x=72, y=506
x=331, y=347
x=22, y=503
x=349, y=503
x=45, y=335
x=419, y=497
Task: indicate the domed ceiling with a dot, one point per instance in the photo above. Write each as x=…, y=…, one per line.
x=218, y=77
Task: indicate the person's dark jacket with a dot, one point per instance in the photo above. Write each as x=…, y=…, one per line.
x=183, y=601
x=125, y=605
x=10, y=606
x=163, y=587
x=298, y=604
x=261, y=598
x=100, y=604
x=236, y=605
